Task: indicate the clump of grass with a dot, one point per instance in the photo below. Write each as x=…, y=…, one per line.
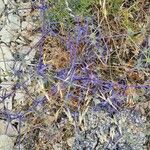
x=65, y=11
x=122, y=34
x=111, y=48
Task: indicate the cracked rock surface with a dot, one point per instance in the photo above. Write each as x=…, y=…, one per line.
x=125, y=131
x=17, y=38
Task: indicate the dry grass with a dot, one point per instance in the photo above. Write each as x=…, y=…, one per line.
x=123, y=28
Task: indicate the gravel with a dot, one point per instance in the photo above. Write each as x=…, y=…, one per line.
x=123, y=131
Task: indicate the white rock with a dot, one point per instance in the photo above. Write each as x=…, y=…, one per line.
x=24, y=25
x=6, y=51
x=7, y=128
x=6, y=84
x=8, y=103
x=30, y=27
x=25, y=33
x=5, y=35
x=35, y=39
x=30, y=56
x=20, y=98
x=13, y=21
x=6, y=143
x=25, y=12
x=21, y=41
x=6, y=2
x=25, y=49
x=1, y=106
x=149, y=41
x=2, y=6
x=2, y=22
x=5, y=57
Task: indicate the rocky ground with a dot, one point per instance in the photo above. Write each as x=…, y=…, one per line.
x=18, y=39
x=56, y=90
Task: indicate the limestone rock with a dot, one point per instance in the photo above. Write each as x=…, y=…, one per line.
x=7, y=128
x=14, y=21
x=2, y=6
x=6, y=143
